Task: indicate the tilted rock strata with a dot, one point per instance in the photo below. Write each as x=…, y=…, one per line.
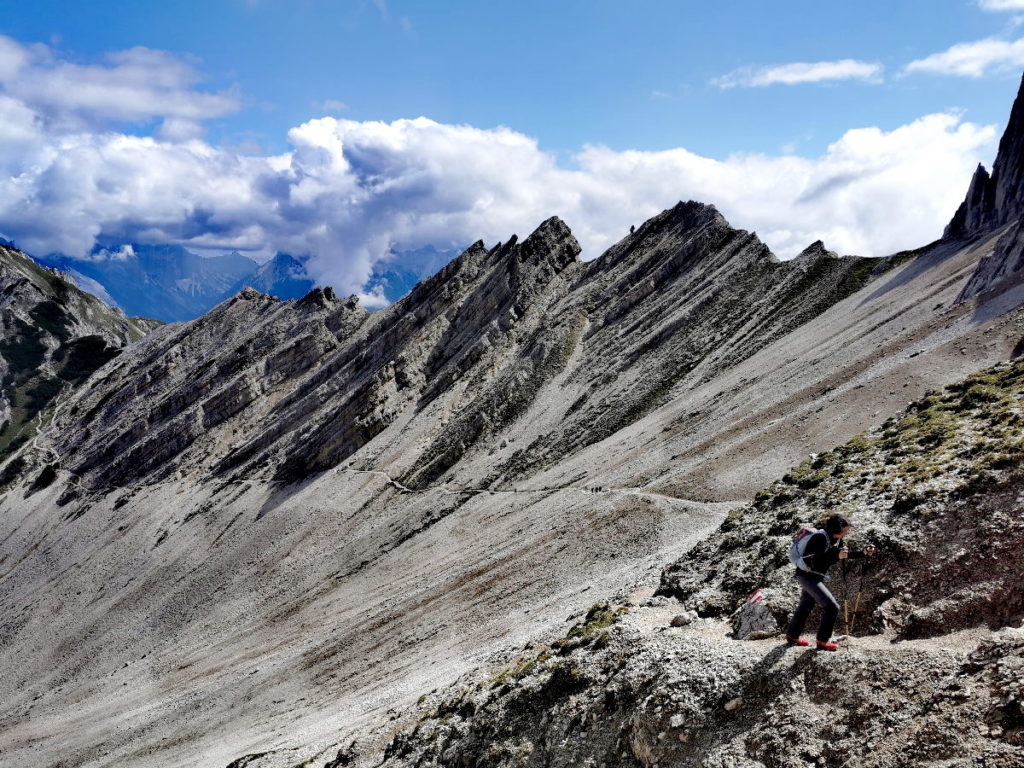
x=53, y=337
x=299, y=387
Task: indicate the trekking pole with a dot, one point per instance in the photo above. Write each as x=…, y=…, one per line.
x=860, y=587
x=846, y=600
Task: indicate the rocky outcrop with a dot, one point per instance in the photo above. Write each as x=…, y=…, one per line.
x=976, y=213
x=936, y=490
x=993, y=202
x=1002, y=264
x=52, y=337
x=644, y=694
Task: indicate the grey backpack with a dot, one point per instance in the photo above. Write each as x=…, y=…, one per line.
x=798, y=548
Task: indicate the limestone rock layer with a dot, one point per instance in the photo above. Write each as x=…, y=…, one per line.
x=284, y=390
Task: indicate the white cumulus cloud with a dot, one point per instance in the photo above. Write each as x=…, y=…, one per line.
x=138, y=85
x=973, y=59
x=1001, y=5
x=801, y=72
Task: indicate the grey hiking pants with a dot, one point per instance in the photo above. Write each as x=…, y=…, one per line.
x=814, y=592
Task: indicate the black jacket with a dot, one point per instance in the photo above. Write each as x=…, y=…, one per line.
x=822, y=553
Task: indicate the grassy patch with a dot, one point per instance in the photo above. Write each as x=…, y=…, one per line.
x=592, y=630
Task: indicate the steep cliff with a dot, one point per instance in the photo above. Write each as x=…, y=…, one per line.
x=996, y=203
x=53, y=337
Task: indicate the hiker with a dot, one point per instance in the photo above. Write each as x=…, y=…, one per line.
x=823, y=549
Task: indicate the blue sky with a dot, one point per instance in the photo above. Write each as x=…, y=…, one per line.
x=785, y=115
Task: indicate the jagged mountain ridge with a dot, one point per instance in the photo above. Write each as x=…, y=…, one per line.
x=503, y=323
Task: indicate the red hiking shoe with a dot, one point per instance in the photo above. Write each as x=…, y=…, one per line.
x=826, y=646
x=797, y=641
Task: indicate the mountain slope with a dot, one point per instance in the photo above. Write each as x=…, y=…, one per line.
x=937, y=490
x=368, y=592
x=53, y=337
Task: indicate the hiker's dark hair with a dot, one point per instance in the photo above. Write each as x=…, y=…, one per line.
x=835, y=524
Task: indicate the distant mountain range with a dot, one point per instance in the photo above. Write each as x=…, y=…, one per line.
x=170, y=283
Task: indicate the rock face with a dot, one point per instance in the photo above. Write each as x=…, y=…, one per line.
x=993, y=202
x=53, y=337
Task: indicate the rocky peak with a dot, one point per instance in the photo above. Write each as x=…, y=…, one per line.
x=813, y=252
x=693, y=214
x=992, y=202
x=976, y=209
x=319, y=297
x=995, y=200
x=251, y=294
x=551, y=241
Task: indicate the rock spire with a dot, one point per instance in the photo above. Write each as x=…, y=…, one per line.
x=996, y=199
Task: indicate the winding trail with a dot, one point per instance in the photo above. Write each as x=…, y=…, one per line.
x=592, y=490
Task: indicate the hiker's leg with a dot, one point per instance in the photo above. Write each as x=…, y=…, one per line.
x=829, y=611
x=800, y=613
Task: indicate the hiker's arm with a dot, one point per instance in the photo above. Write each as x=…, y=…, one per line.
x=814, y=552
x=857, y=554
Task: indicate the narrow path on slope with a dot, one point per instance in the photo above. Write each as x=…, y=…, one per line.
x=593, y=490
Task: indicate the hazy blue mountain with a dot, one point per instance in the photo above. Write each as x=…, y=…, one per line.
x=170, y=283
x=165, y=282
x=400, y=274
x=283, y=276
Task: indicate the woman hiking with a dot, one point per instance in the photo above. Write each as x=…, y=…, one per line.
x=824, y=549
